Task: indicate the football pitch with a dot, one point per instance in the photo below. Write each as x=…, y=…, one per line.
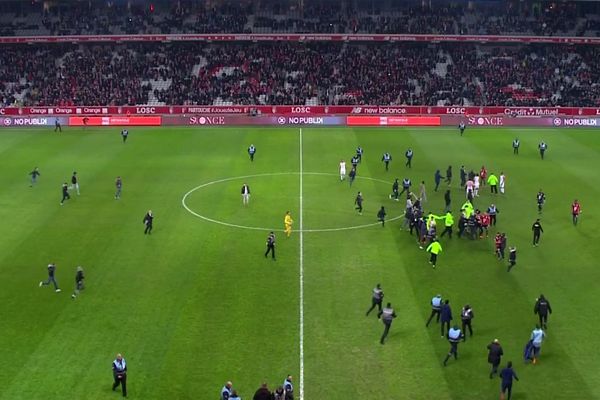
x=196, y=303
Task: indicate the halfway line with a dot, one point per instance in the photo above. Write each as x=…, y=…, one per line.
x=301, y=380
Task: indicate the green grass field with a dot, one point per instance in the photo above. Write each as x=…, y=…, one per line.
x=196, y=304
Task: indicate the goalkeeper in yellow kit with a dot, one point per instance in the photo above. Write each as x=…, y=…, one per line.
x=287, y=222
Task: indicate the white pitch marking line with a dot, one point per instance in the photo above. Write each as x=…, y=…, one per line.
x=301, y=380
x=258, y=228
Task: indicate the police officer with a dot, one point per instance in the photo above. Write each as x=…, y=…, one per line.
x=377, y=299
x=359, y=154
x=436, y=305
x=354, y=161
x=409, y=156
x=542, y=309
x=495, y=354
x=386, y=158
x=454, y=335
x=543, y=147
x=492, y=212
x=251, y=152
x=226, y=391
x=271, y=245
x=516, y=144
x=406, y=183
x=288, y=387
x=466, y=315
x=119, y=367
x=387, y=315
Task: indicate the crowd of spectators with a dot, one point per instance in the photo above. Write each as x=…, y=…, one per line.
x=301, y=73
x=495, y=17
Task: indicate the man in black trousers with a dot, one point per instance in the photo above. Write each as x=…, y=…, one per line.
x=446, y=317
x=436, y=305
x=466, y=316
x=454, y=336
x=65, y=193
x=271, y=245
x=507, y=375
x=542, y=309
x=387, y=315
x=377, y=299
x=537, y=232
x=119, y=367
x=495, y=354
x=148, y=220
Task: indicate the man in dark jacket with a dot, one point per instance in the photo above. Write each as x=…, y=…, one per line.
x=542, y=308
x=262, y=393
x=445, y=317
x=495, y=354
x=507, y=375
x=466, y=316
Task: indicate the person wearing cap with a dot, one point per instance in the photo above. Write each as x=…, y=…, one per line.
x=79, y=277
x=454, y=336
x=466, y=316
x=376, y=299
x=495, y=354
x=148, y=221
x=226, y=391
x=386, y=315
x=436, y=305
x=507, y=375
x=271, y=245
x=119, y=367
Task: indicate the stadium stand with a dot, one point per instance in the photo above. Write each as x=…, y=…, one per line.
x=270, y=16
x=285, y=73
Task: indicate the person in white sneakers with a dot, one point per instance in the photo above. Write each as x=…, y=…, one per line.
x=342, y=170
x=51, y=278
x=502, y=182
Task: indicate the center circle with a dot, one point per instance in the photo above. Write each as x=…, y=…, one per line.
x=184, y=201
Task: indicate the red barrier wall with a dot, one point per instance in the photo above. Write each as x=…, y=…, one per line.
x=301, y=110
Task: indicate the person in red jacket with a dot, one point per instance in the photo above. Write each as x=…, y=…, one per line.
x=483, y=175
x=575, y=211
